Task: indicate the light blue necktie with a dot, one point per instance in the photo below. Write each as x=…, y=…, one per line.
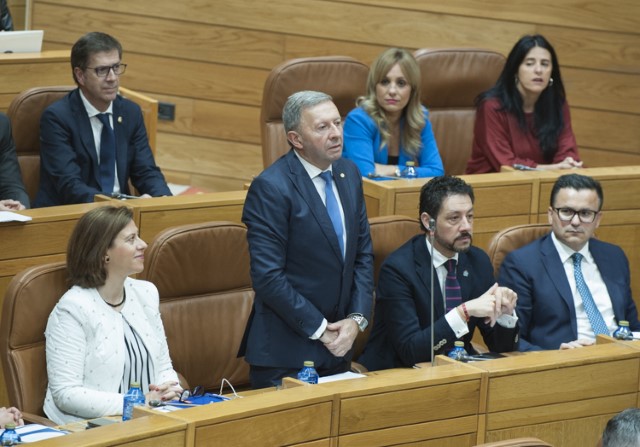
x=595, y=317
x=332, y=208
x=107, y=154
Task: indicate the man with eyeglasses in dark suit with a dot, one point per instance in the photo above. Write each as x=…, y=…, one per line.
x=571, y=286
x=94, y=141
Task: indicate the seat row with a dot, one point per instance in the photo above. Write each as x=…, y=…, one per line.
x=202, y=275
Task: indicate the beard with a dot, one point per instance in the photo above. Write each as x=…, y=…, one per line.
x=451, y=246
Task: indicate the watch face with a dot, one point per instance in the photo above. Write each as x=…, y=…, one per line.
x=362, y=322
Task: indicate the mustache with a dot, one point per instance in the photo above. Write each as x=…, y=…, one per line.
x=464, y=234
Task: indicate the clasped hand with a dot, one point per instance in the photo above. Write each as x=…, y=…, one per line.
x=164, y=392
x=492, y=304
x=338, y=338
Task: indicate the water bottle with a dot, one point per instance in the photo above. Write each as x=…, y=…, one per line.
x=308, y=373
x=458, y=352
x=623, y=332
x=409, y=171
x=9, y=436
x=133, y=397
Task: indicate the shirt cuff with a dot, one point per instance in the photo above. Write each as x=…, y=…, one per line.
x=458, y=325
x=507, y=321
x=317, y=334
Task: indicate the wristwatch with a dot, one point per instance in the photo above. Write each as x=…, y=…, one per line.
x=360, y=320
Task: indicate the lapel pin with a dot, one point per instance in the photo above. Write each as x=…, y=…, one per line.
x=465, y=273
x=120, y=119
x=342, y=175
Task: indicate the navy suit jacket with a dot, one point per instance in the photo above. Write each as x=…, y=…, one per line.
x=545, y=308
x=401, y=333
x=298, y=272
x=69, y=165
x=11, y=186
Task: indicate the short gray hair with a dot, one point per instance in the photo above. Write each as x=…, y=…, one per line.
x=623, y=430
x=298, y=103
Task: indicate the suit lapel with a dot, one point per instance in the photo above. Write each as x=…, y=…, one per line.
x=555, y=270
x=345, y=191
x=305, y=187
x=464, y=277
x=85, y=130
x=609, y=270
x=423, y=270
x=121, y=143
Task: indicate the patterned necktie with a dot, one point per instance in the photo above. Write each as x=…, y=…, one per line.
x=332, y=208
x=595, y=317
x=107, y=154
x=452, y=286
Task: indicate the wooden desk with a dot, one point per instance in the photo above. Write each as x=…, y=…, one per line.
x=520, y=197
x=21, y=71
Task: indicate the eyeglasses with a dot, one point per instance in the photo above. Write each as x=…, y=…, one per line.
x=567, y=214
x=103, y=71
x=186, y=394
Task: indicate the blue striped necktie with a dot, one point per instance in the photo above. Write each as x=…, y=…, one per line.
x=452, y=286
x=107, y=154
x=590, y=308
x=332, y=208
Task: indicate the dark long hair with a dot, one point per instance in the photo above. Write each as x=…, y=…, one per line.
x=547, y=119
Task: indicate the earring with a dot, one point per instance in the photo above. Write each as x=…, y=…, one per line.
x=550, y=82
x=516, y=79
x=107, y=258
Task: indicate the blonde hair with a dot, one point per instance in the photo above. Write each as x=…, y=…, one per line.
x=414, y=120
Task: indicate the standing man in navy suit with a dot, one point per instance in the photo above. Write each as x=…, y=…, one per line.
x=552, y=307
x=401, y=333
x=312, y=273
x=73, y=167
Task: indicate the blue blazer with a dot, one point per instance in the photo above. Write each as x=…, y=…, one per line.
x=69, y=165
x=545, y=307
x=401, y=334
x=298, y=272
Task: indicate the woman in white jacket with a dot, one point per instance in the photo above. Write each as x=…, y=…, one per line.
x=106, y=331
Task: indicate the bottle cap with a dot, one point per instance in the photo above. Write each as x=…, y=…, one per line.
x=10, y=426
x=459, y=344
x=309, y=363
x=623, y=323
x=411, y=163
x=135, y=385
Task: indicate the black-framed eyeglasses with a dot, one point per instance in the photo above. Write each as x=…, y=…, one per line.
x=567, y=214
x=186, y=394
x=103, y=71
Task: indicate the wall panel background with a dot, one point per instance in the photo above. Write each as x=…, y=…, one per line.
x=211, y=58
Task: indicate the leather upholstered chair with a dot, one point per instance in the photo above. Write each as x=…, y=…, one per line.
x=30, y=298
x=512, y=238
x=387, y=234
x=342, y=77
x=24, y=112
x=451, y=80
x=517, y=442
x=202, y=274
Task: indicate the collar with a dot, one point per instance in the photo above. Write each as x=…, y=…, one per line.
x=312, y=170
x=92, y=111
x=566, y=252
x=438, y=258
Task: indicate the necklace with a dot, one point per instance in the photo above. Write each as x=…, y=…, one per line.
x=124, y=298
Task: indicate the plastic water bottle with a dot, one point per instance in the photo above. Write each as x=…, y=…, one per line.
x=9, y=436
x=458, y=352
x=623, y=332
x=409, y=171
x=308, y=373
x=133, y=397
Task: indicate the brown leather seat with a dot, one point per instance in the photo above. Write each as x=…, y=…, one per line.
x=342, y=77
x=519, y=442
x=387, y=234
x=512, y=238
x=451, y=80
x=25, y=111
x=202, y=274
x=30, y=298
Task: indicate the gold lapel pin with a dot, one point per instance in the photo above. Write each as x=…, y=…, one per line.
x=120, y=119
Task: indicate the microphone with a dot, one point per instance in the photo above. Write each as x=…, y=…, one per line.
x=432, y=231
